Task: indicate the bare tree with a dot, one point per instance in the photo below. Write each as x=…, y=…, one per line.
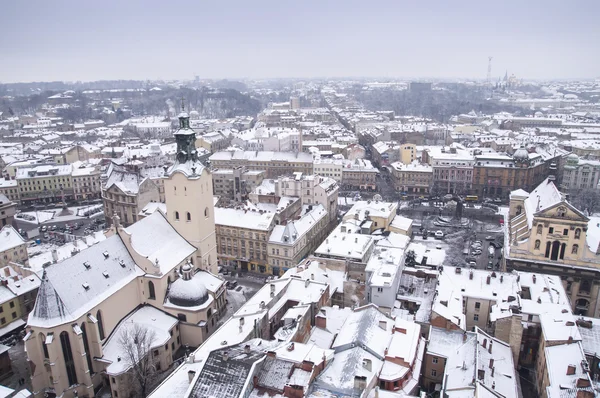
x=587, y=200
x=136, y=345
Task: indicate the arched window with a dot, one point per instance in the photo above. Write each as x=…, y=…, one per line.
x=100, y=325
x=206, y=212
x=86, y=346
x=575, y=249
x=188, y=216
x=68, y=356
x=577, y=233
x=519, y=209
x=151, y=293
x=539, y=229
x=548, y=247
x=209, y=313
x=176, y=216
x=168, y=280
x=537, y=244
x=44, y=346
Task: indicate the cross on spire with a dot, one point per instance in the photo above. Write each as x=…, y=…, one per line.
x=182, y=104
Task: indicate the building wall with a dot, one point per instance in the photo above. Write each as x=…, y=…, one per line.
x=17, y=254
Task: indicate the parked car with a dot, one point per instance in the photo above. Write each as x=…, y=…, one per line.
x=465, y=252
x=44, y=228
x=439, y=235
x=489, y=237
x=490, y=265
x=472, y=264
x=53, y=228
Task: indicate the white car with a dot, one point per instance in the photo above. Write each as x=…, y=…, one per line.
x=439, y=234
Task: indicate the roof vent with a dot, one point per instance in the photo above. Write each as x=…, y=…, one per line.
x=87, y=265
x=105, y=274
x=86, y=285
x=105, y=254
x=122, y=263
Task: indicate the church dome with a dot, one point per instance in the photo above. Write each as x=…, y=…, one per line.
x=521, y=154
x=188, y=293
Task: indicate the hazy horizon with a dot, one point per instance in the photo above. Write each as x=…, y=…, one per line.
x=151, y=40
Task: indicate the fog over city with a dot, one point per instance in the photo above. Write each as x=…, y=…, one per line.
x=82, y=40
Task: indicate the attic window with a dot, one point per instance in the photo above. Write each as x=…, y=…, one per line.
x=87, y=265
x=122, y=263
x=105, y=254
x=105, y=274
x=86, y=285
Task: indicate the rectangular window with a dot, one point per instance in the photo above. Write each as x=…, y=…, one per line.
x=12, y=304
x=434, y=360
x=477, y=305
x=14, y=315
x=433, y=372
x=551, y=230
x=565, y=232
x=476, y=317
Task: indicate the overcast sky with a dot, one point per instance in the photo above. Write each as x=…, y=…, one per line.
x=43, y=40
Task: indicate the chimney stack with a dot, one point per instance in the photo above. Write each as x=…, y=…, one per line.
x=191, y=374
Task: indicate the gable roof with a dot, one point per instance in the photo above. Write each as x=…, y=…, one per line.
x=154, y=238
x=76, y=285
x=542, y=197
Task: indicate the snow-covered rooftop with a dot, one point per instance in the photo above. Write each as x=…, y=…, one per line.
x=154, y=238
x=74, y=286
x=157, y=323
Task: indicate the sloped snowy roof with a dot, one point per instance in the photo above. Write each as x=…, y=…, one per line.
x=154, y=238
x=542, y=197
x=155, y=321
x=362, y=327
x=62, y=296
x=10, y=238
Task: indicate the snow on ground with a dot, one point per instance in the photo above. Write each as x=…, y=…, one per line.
x=34, y=216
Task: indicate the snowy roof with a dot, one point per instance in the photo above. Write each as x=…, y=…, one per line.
x=473, y=361
x=227, y=370
x=126, y=181
x=335, y=318
x=565, y=369
x=296, y=229
x=10, y=238
x=454, y=286
x=153, y=320
x=76, y=285
x=401, y=223
x=383, y=265
x=368, y=327
x=151, y=207
x=593, y=234
x=338, y=376
x=17, y=283
x=187, y=293
x=589, y=329
x=189, y=169
x=557, y=327
x=371, y=208
x=353, y=246
x=542, y=197
x=154, y=238
x=444, y=342
x=313, y=269
x=239, y=218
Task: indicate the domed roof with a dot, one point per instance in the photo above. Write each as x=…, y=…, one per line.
x=573, y=156
x=521, y=154
x=188, y=293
